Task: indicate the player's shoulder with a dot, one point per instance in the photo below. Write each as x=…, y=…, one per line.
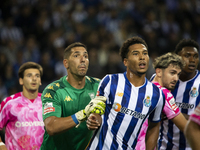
x=55, y=85
x=92, y=79
x=153, y=85
x=11, y=99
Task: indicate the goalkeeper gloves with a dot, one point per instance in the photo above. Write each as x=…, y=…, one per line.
x=96, y=105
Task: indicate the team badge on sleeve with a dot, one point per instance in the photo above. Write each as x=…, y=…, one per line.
x=48, y=107
x=194, y=92
x=147, y=101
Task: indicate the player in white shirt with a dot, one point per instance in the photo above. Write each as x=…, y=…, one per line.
x=131, y=99
x=186, y=94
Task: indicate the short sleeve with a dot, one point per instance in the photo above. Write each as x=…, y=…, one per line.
x=50, y=103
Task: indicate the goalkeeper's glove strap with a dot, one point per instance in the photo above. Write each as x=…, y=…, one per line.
x=75, y=119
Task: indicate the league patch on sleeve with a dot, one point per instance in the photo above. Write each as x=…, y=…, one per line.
x=173, y=104
x=48, y=107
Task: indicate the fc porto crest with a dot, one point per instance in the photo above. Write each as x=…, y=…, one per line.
x=194, y=92
x=147, y=101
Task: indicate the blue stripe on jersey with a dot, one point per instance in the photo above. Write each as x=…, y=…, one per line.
x=182, y=141
x=161, y=135
x=198, y=98
x=116, y=123
x=134, y=120
x=156, y=92
x=170, y=135
x=103, y=85
x=170, y=124
x=186, y=94
x=113, y=86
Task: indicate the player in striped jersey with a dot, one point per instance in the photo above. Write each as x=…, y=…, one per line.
x=21, y=113
x=131, y=99
x=168, y=68
x=186, y=94
x=192, y=130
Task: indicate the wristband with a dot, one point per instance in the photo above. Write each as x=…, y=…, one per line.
x=75, y=119
x=1, y=144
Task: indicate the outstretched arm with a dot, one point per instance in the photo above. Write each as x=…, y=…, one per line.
x=152, y=135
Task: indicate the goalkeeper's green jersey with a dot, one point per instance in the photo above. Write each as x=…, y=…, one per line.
x=60, y=99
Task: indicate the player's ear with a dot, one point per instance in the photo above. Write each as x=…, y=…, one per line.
x=65, y=63
x=21, y=81
x=125, y=62
x=158, y=72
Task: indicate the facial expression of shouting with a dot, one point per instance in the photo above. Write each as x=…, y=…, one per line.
x=77, y=63
x=170, y=76
x=190, y=56
x=137, y=60
x=31, y=80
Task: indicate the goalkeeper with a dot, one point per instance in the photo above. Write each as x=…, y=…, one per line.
x=68, y=102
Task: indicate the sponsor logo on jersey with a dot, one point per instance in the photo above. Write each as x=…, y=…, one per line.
x=92, y=95
x=185, y=105
x=48, y=107
x=169, y=94
x=147, y=101
x=68, y=98
x=118, y=108
x=47, y=95
x=119, y=94
x=19, y=124
x=194, y=92
x=57, y=84
x=50, y=87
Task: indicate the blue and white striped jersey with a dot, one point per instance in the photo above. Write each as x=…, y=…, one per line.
x=127, y=107
x=187, y=98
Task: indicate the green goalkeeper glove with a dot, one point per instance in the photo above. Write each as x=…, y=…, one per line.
x=96, y=105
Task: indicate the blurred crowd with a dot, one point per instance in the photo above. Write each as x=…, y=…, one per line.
x=40, y=30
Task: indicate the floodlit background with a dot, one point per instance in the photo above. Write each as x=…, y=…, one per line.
x=40, y=30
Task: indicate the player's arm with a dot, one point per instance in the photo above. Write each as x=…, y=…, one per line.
x=186, y=116
x=2, y=145
x=152, y=135
x=180, y=121
x=55, y=125
x=192, y=134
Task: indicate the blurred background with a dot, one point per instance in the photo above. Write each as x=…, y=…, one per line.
x=40, y=30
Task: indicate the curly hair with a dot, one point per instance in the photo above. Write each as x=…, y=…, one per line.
x=169, y=58
x=131, y=41
x=186, y=43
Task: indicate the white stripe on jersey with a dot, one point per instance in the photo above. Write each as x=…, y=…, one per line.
x=187, y=101
x=120, y=128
